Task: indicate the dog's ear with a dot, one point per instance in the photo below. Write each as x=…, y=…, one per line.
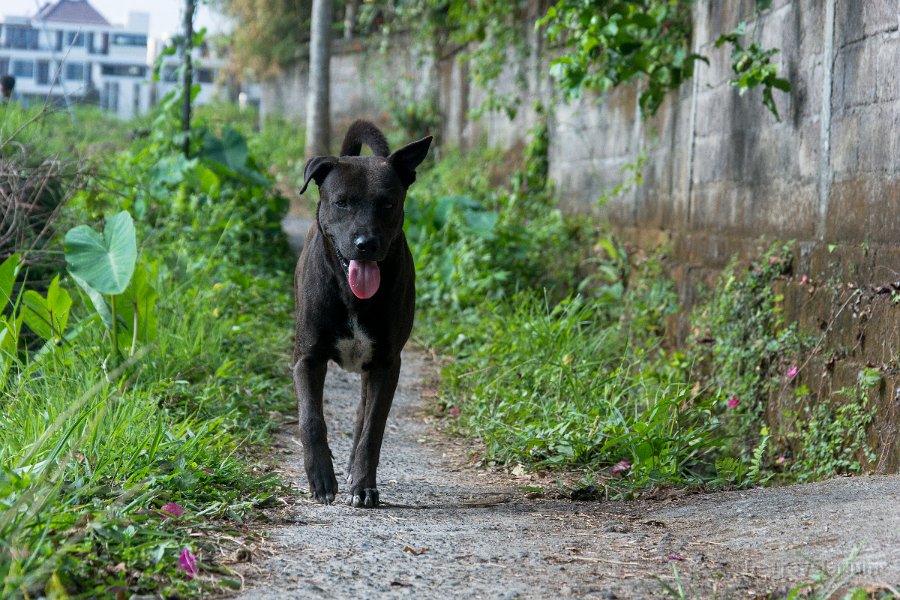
x=317, y=168
x=406, y=159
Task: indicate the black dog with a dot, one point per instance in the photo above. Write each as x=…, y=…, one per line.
x=355, y=290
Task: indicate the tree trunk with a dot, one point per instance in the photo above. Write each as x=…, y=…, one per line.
x=318, y=119
x=350, y=18
x=188, y=81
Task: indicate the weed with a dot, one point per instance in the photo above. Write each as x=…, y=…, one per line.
x=827, y=584
x=832, y=440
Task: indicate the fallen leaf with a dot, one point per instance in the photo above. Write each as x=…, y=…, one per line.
x=415, y=552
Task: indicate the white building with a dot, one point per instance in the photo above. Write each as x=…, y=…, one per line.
x=68, y=48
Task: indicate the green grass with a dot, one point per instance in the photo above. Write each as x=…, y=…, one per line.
x=560, y=388
x=554, y=337
x=91, y=448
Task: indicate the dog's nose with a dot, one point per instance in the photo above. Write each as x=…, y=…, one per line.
x=366, y=244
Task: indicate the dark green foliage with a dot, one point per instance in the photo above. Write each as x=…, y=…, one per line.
x=831, y=436
x=558, y=358
x=753, y=67
x=605, y=43
x=740, y=339
x=610, y=43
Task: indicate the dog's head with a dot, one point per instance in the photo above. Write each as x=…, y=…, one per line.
x=361, y=206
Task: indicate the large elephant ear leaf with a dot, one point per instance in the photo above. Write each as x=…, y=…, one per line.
x=106, y=263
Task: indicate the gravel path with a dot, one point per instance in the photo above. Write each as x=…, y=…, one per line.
x=449, y=530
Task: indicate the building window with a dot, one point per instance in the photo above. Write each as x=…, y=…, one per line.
x=23, y=68
x=4, y=66
x=43, y=72
x=59, y=40
x=136, y=102
x=124, y=70
x=74, y=38
x=129, y=39
x=21, y=38
x=206, y=75
x=110, y=97
x=74, y=71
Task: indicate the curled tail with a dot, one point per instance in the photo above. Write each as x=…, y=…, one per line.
x=364, y=132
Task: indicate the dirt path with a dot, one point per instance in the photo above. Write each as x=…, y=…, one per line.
x=452, y=531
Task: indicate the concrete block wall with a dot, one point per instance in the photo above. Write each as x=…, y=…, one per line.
x=361, y=79
x=723, y=178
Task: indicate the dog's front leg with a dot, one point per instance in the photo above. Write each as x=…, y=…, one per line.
x=309, y=383
x=380, y=383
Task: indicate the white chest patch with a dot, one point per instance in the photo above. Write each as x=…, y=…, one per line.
x=355, y=351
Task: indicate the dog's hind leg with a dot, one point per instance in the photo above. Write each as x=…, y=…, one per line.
x=381, y=382
x=309, y=383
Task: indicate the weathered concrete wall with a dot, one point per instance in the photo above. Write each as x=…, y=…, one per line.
x=362, y=77
x=722, y=177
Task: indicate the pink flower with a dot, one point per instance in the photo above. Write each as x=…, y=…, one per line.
x=733, y=401
x=793, y=372
x=623, y=466
x=172, y=509
x=780, y=460
x=675, y=557
x=804, y=280
x=454, y=412
x=187, y=562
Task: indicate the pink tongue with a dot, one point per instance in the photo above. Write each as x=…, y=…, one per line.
x=365, y=277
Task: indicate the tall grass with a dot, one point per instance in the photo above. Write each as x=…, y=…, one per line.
x=554, y=338
x=92, y=450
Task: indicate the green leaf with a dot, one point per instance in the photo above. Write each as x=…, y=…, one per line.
x=231, y=155
x=8, y=271
x=782, y=84
x=97, y=299
x=9, y=342
x=644, y=451
x=106, y=263
x=48, y=316
x=140, y=298
x=230, y=151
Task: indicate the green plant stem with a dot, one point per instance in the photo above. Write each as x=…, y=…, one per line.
x=134, y=334
x=115, y=327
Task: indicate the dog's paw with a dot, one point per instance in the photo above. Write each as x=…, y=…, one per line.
x=363, y=498
x=323, y=485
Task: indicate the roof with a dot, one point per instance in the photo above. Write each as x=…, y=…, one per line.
x=71, y=11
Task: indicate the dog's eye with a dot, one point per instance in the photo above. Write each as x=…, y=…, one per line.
x=340, y=203
x=387, y=205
